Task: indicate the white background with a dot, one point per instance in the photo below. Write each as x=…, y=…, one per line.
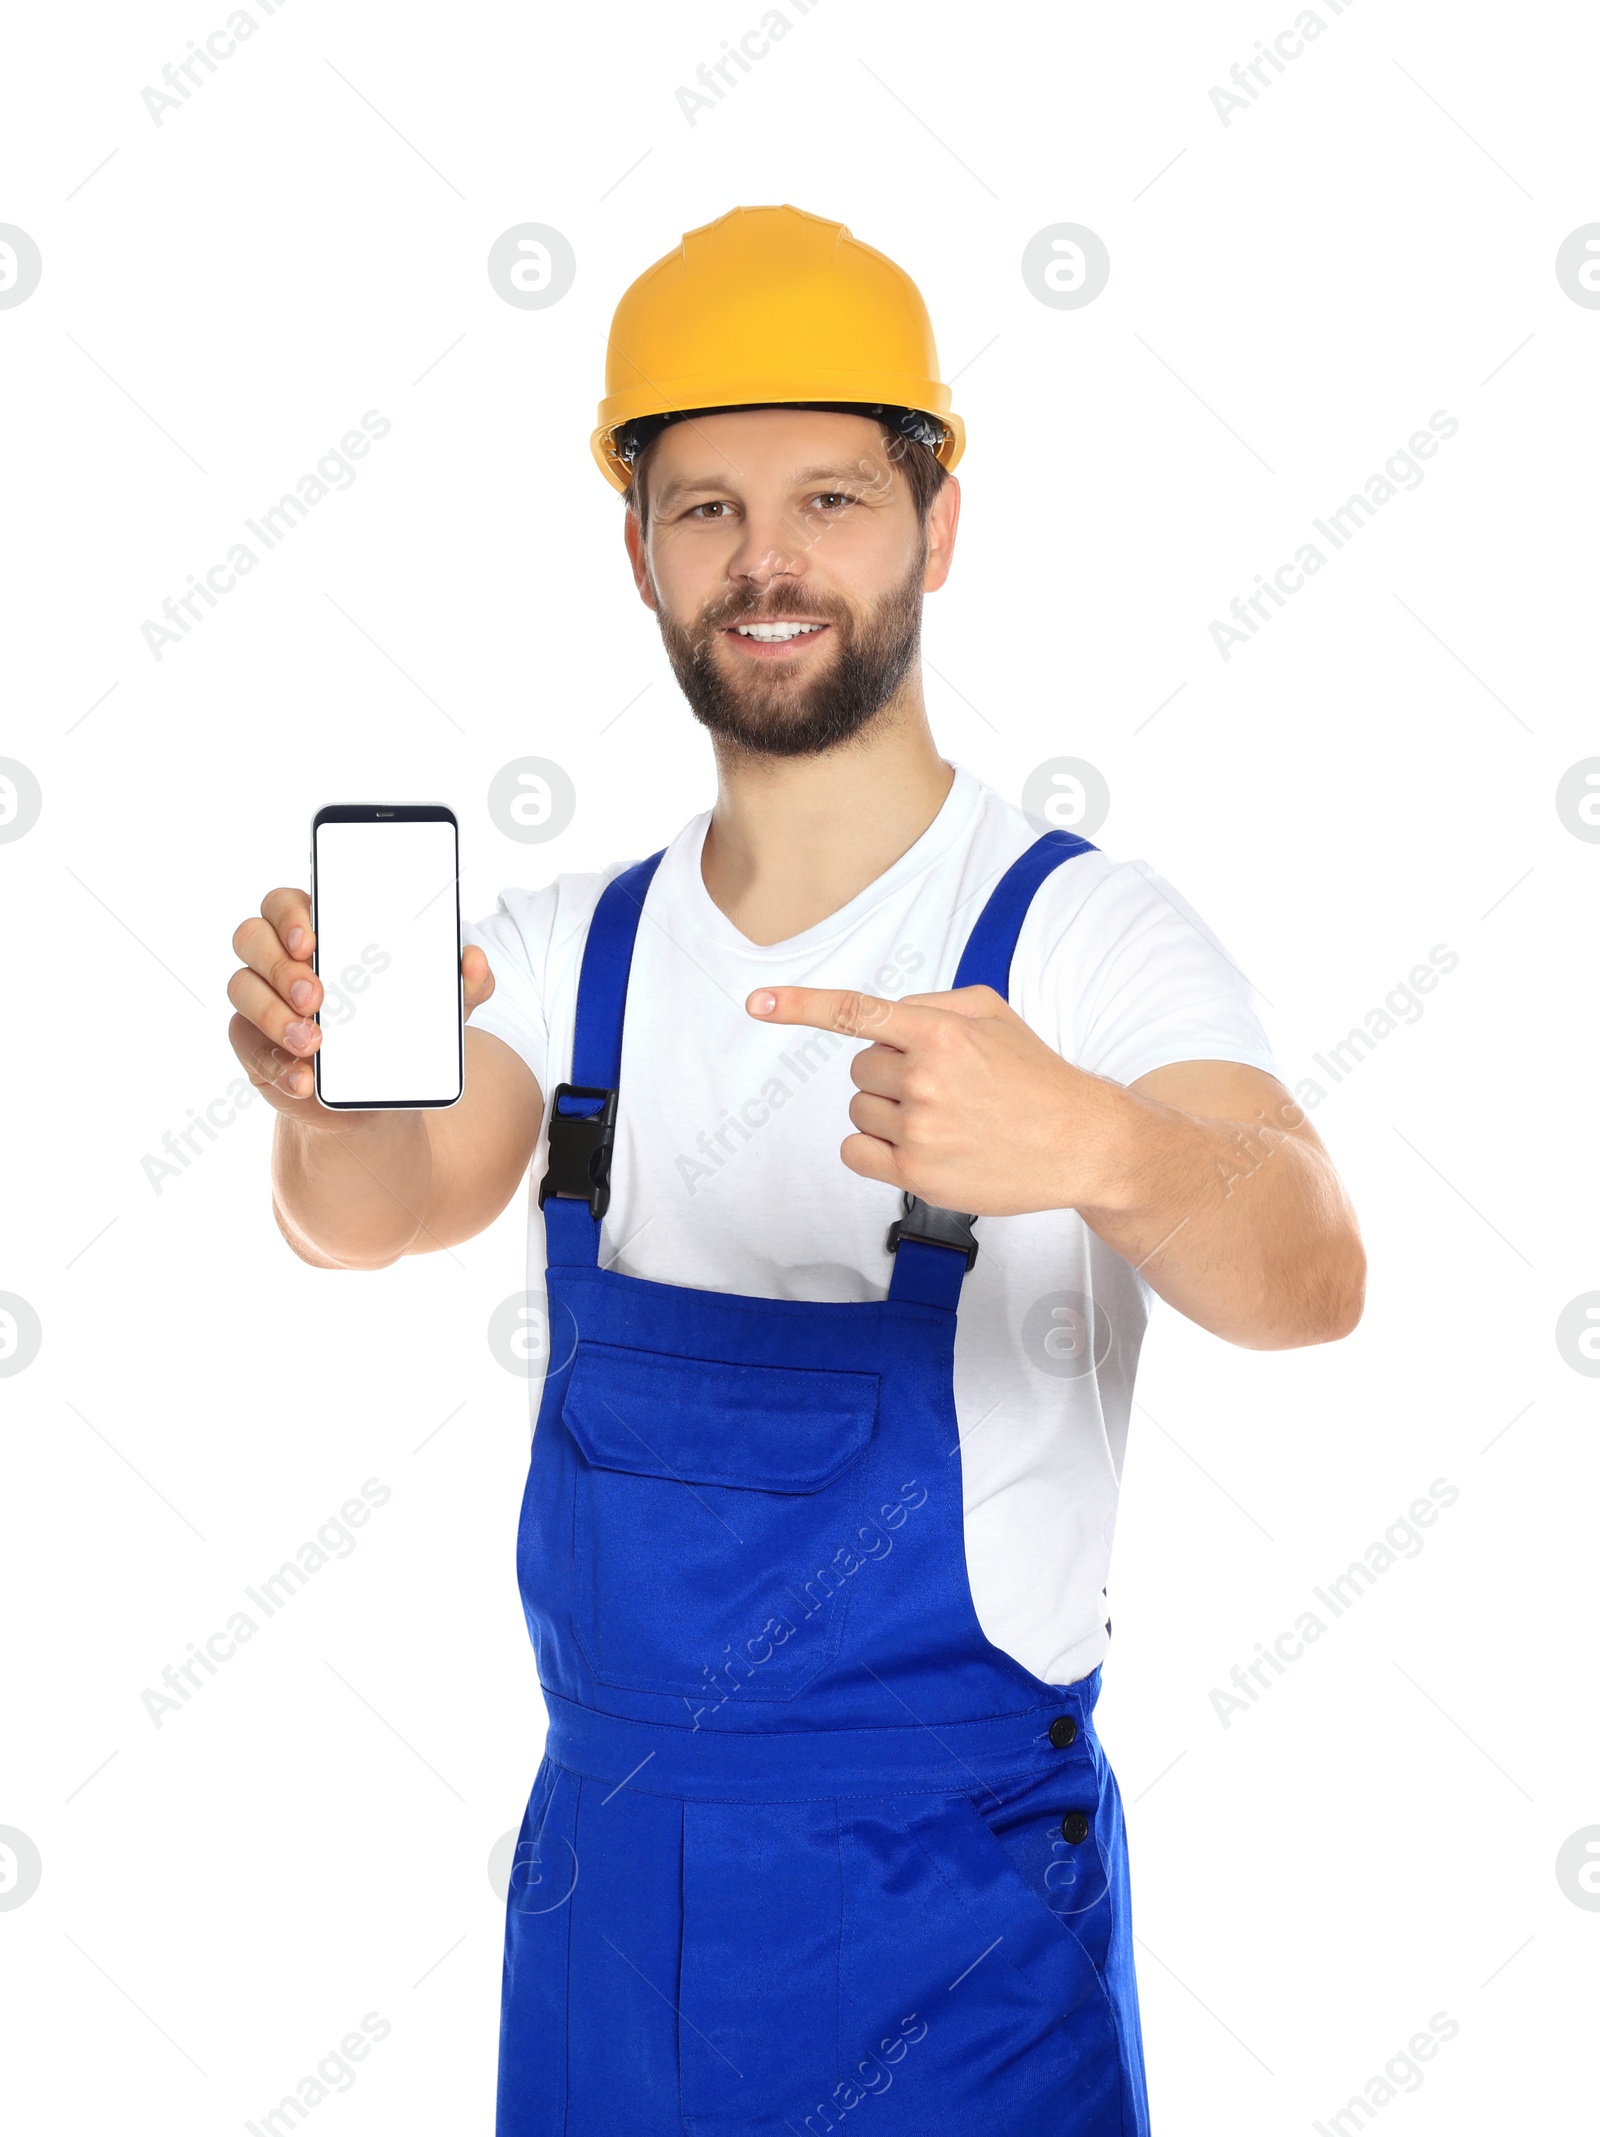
x=1291, y=296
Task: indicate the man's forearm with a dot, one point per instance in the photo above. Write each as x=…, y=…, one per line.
x=1240, y=1225
x=354, y=1200
x=1239, y=1222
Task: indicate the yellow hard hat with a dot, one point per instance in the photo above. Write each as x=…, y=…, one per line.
x=773, y=305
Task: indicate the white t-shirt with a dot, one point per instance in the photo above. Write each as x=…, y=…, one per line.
x=726, y=1173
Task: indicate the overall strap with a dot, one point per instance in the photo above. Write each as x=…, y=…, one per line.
x=986, y=960
x=934, y=1248
x=577, y=1181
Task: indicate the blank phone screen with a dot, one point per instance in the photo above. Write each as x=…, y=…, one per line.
x=388, y=956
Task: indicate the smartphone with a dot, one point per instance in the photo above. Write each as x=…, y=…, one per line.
x=386, y=911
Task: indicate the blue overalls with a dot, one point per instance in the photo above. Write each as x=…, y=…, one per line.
x=806, y=1852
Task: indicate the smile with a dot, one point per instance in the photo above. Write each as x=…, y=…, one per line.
x=774, y=641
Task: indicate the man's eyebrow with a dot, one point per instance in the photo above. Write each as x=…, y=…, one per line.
x=683, y=486
x=836, y=470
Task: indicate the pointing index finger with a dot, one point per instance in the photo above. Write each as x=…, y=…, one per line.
x=846, y=1010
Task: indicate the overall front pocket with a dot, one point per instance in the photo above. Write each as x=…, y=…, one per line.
x=982, y=2011
x=714, y=1509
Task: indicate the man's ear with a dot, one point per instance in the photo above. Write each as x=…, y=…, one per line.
x=943, y=514
x=633, y=538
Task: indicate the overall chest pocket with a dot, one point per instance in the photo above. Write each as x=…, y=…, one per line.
x=713, y=1511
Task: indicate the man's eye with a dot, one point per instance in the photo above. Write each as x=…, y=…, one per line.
x=830, y=498
x=715, y=504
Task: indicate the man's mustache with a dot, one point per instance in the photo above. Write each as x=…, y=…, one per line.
x=720, y=618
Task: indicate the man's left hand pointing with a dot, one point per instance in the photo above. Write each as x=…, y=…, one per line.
x=960, y=1102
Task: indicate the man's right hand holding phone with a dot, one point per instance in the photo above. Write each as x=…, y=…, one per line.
x=357, y=1189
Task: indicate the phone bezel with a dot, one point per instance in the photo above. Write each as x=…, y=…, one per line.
x=382, y=812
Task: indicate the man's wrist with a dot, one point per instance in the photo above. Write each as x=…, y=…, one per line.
x=1104, y=1153
x=357, y=1193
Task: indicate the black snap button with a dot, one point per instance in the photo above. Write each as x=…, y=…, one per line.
x=1075, y=1827
x=1063, y=1731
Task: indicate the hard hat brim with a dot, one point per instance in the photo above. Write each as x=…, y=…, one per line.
x=723, y=395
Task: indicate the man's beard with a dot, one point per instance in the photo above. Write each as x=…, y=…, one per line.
x=775, y=714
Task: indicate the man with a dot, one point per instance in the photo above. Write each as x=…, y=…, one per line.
x=814, y=1563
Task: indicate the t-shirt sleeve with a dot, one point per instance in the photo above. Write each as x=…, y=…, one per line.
x=513, y=938
x=1151, y=984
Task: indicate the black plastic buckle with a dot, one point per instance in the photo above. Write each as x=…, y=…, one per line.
x=935, y=1227
x=580, y=1149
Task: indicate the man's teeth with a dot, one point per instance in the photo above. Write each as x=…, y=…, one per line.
x=771, y=633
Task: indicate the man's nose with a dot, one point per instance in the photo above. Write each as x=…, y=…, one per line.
x=773, y=546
